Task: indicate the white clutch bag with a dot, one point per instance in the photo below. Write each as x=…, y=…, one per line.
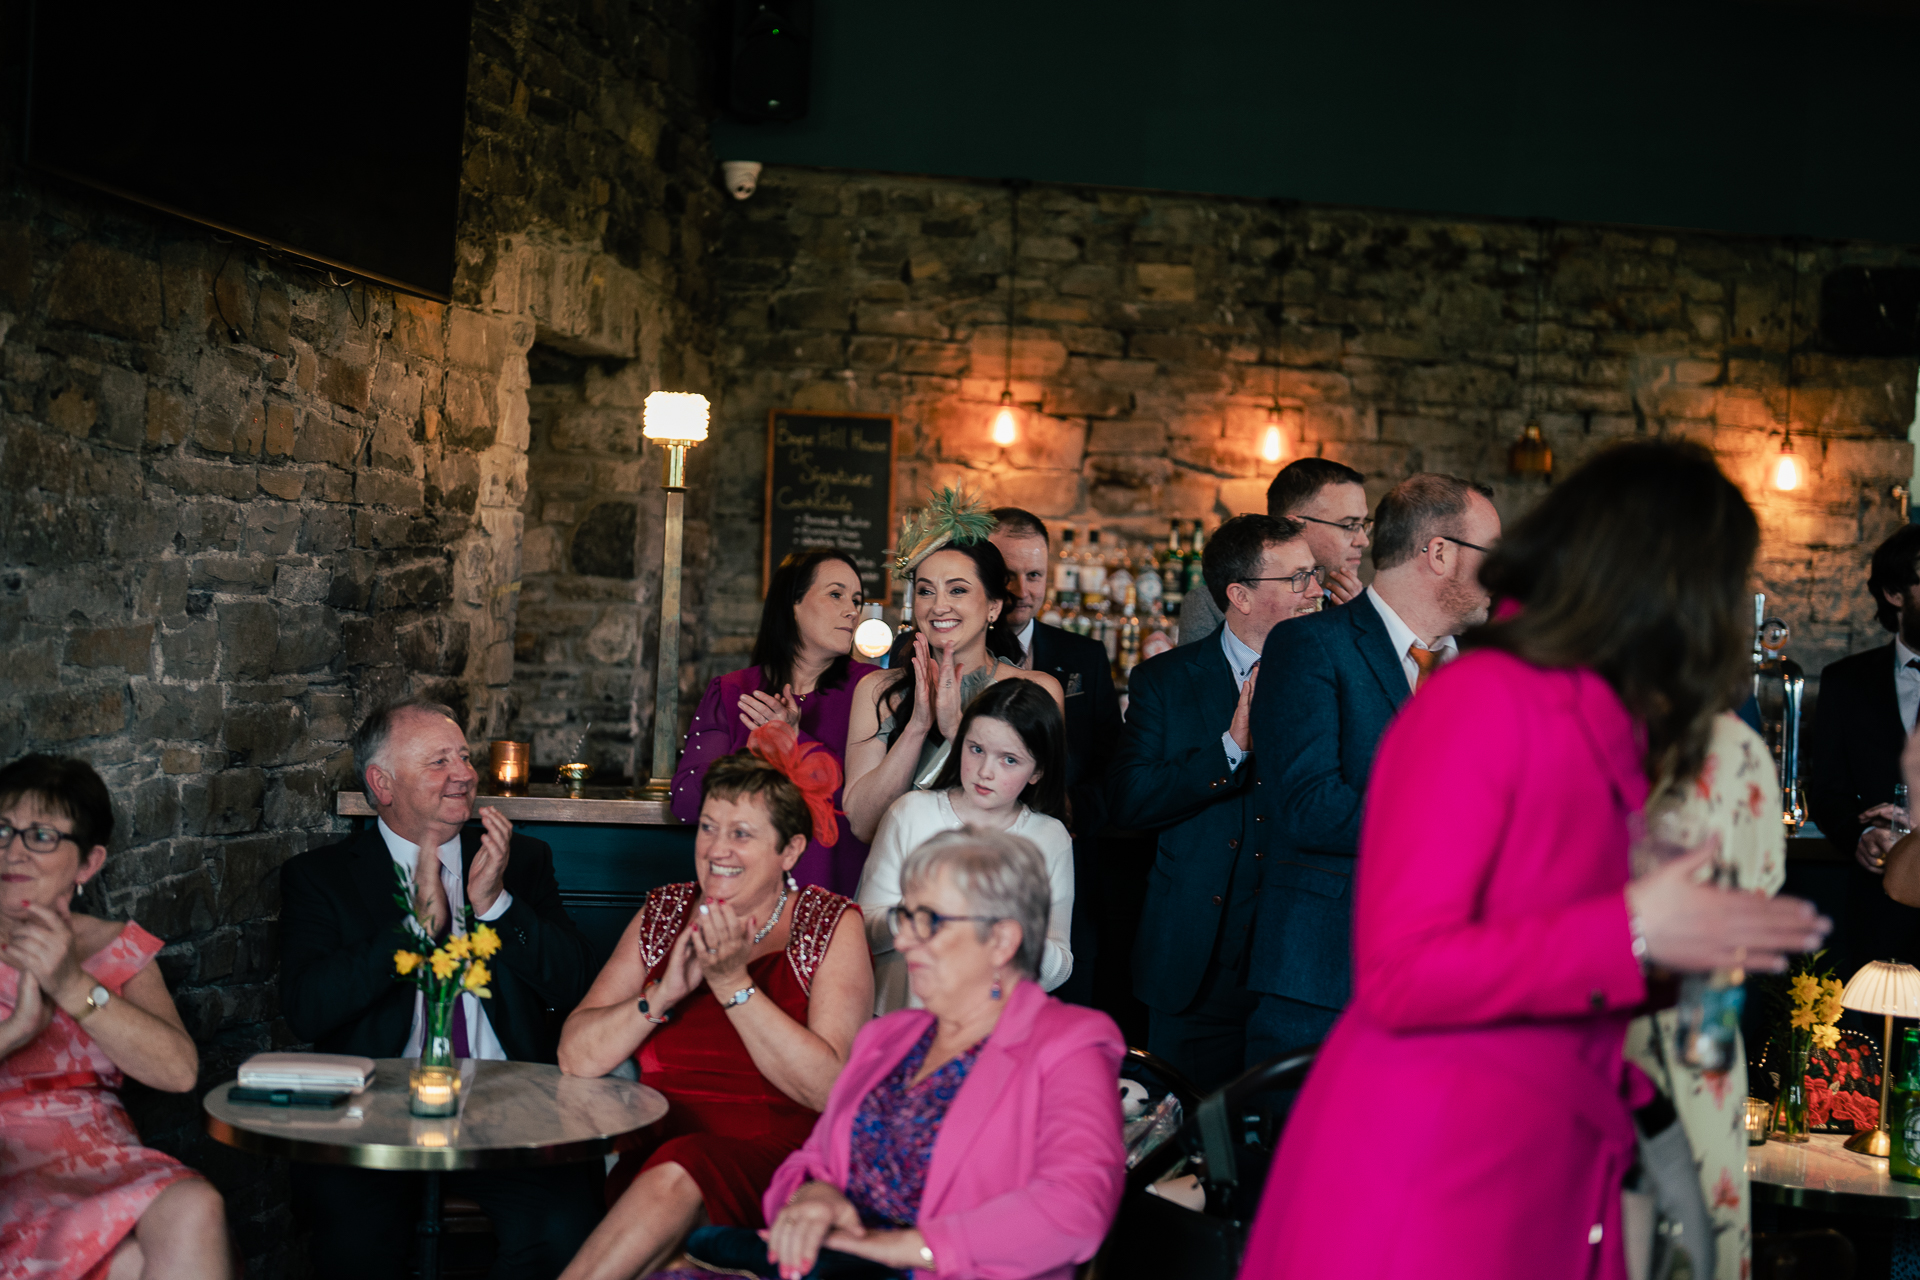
x=307, y=1072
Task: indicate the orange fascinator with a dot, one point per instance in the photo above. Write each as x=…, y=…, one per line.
x=809, y=766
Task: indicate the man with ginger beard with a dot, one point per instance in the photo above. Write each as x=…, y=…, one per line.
x=1332, y=683
x=339, y=930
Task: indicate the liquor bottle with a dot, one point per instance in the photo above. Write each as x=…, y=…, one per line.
x=1173, y=571
x=1146, y=581
x=1093, y=566
x=1159, y=634
x=1066, y=571
x=1903, y=1110
x=1081, y=623
x=1050, y=616
x=1196, y=580
x=1128, y=656
x=1119, y=577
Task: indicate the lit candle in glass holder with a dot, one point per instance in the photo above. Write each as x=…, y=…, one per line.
x=508, y=761
x=433, y=1091
x=1759, y=1116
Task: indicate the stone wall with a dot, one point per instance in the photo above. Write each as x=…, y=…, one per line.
x=238, y=506
x=1153, y=333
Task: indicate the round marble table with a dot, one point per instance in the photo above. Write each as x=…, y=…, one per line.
x=512, y=1115
x=1822, y=1174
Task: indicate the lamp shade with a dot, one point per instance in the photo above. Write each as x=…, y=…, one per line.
x=1883, y=986
x=675, y=416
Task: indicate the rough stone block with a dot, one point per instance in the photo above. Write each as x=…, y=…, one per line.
x=129, y=648
x=72, y=714
x=1127, y=437
x=943, y=358
x=166, y=418
x=249, y=631
x=1045, y=493
x=190, y=651
x=101, y=288
x=385, y=489
x=265, y=733
x=346, y=382
x=419, y=326
x=1087, y=400
x=1036, y=354
x=1165, y=281
x=309, y=639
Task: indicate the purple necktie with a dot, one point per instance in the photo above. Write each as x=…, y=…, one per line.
x=459, y=1031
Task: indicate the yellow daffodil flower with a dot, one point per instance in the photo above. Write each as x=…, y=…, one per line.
x=1801, y=1017
x=485, y=942
x=476, y=979
x=405, y=962
x=443, y=964
x=458, y=946
x=1805, y=987
x=1826, y=1037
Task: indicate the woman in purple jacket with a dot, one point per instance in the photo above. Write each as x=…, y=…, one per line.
x=802, y=673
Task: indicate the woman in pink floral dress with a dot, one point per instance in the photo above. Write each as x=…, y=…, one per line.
x=81, y=1008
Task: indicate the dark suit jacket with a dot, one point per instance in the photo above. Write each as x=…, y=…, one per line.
x=1329, y=684
x=1171, y=775
x=1093, y=719
x=339, y=928
x=1853, y=763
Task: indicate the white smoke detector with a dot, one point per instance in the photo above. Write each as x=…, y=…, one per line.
x=742, y=176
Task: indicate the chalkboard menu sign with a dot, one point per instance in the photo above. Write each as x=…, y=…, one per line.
x=830, y=484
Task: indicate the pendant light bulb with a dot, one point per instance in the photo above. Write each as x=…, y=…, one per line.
x=1006, y=423
x=1272, y=444
x=1786, y=469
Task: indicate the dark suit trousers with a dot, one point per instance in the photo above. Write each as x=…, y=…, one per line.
x=1207, y=1040
x=364, y=1220
x=1280, y=1024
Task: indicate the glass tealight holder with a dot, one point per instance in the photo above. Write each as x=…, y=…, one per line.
x=1759, y=1116
x=508, y=763
x=574, y=778
x=433, y=1091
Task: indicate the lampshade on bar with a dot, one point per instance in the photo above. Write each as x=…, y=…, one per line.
x=675, y=416
x=1883, y=986
x=1893, y=990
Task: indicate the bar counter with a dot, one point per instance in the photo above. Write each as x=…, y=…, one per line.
x=610, y=849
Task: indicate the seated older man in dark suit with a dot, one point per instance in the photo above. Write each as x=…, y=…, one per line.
x=1188, y=768
x=339, y=929
x=1332, y=684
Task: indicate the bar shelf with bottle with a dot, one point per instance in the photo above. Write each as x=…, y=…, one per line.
x=1124, y=592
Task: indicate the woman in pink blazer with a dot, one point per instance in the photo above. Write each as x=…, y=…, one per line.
x=977, y=1137
x=1470, y=1115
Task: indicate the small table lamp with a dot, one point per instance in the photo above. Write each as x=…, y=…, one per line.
x=678, y=421
x=1892, y=989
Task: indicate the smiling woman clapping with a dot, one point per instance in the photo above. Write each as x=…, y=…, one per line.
x=738, y=995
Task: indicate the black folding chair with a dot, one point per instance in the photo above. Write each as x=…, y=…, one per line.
x=1227, y=1140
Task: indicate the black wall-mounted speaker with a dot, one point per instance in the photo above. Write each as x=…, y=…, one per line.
x=1871, y=311
x=770, y=55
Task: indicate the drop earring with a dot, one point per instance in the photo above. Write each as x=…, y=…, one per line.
x=793, y=886
x=995, y=993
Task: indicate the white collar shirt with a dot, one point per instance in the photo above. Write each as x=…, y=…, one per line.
x=1401, y=637
x=1906, y=681
x=1242, y=658
x=406, y=855
x=1025, y=637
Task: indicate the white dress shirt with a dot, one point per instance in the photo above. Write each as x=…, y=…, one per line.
x=1401, y=637
x=407, y=854
x=1906, y=682
x=1025, y=637
x=1241, y=660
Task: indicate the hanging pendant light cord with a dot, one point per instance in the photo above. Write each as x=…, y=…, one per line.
x=1014, y=186
x=1793, y=335
x=1542, y=230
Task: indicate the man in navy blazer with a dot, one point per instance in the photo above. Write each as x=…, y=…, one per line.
x=1188, y=769
x=1093, y=722
x=1331, y=684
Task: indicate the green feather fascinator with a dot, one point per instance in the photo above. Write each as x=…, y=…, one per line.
x=950, y=516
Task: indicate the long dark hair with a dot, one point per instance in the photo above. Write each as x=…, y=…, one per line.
x=1029, y=710
x=1001, y=640
x=1637, y=566
x=778, y=643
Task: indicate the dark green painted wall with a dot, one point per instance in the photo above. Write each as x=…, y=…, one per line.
x=1743, y=115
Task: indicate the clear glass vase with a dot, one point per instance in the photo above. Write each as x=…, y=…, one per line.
x=1790, y=1116
x=433, y=1088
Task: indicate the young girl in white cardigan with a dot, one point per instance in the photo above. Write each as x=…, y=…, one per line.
x=1008, y=773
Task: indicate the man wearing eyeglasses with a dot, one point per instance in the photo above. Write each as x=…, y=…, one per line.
x=1329, y=501
x=1188, y=769
x=1332, y=684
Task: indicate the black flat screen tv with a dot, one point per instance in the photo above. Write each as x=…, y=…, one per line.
x=331, y=131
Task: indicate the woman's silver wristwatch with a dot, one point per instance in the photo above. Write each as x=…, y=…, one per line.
x=740, y=997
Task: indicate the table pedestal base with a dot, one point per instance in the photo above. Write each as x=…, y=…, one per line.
x=429, y=1229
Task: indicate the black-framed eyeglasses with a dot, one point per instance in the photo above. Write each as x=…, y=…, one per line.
x=925, y=921
x=1354, y=524
x=1297, y=581
x=1447, y=537
x=38, y=838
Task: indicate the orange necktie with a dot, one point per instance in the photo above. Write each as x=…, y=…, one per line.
x=1425, y=659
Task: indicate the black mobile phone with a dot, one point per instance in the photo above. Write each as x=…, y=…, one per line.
x=286, y=1097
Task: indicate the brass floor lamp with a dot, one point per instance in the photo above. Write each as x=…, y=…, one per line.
x=677, y=421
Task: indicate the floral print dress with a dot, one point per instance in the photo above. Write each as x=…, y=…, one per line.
x=74, y=1178
x=1737, y=795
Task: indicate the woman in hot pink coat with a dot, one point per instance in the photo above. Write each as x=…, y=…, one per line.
x=1470, y=1115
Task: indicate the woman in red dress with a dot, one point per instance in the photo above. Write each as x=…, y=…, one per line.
x=82, y=1007
x=738, y=995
